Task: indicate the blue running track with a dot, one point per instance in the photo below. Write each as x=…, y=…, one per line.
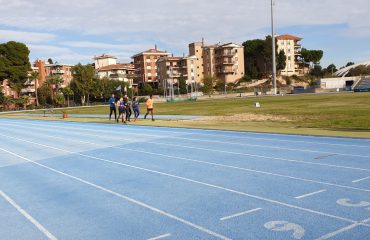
x=63, y=180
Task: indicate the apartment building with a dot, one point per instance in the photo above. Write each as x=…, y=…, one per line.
x=224, y=61
x=146, y=65
x=104, y=60
x=228, y=63
x=171, y=69
x=196, y=53
x=30, y=85
x=47, y=70
x=292, y=48
x=124, y=72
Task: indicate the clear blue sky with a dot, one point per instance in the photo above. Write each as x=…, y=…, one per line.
x=74, y=31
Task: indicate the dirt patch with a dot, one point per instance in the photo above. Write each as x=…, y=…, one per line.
x=246, y=117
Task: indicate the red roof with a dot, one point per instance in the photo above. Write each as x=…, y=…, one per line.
x=288, y=37
x=118, y=66
x=154, y=51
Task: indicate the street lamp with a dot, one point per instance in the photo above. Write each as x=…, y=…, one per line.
x=273, y=47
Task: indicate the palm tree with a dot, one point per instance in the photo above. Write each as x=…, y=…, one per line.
x=35, y=77
x=53, y=82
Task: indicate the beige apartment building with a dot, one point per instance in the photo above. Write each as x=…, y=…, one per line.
x=146, y=65
x=292, y=48
x=104, y=60
x=229, y=62
x=124, y=72
x=224, y=61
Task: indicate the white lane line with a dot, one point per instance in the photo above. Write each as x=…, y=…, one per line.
x=160, y=237
x=240, y=214
x=28, y=216
x=205, y=162
x=232, y=143
x=192, y=181
x=310, y=194
x=198, y=132
x=360, y=180
x=344, y=229
x=332, y=234
x=142, y=204
x=229, y=152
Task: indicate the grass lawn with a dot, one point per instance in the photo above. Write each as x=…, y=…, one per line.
x=343, y=114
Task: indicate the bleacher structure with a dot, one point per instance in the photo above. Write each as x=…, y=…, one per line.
x=363, y=85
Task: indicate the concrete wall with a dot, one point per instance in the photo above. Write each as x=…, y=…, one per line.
x=331, y=83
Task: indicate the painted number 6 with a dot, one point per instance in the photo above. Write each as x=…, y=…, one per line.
x=284, y=226
x=347, y=203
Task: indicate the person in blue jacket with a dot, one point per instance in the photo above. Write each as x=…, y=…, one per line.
x=112, y=107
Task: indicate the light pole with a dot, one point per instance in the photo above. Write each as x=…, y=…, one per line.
x=273, y=47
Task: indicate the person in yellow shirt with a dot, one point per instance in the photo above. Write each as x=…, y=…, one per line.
x=149, y=107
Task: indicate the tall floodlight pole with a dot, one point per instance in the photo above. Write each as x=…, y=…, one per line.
x=273, y=47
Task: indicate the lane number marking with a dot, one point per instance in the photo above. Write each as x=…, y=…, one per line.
x=284, y=226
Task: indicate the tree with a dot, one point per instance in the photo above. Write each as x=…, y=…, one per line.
x=359, y=70
x=312, y=56
x=23, y=101
x=82, y=82
x=208, y=84
x=67, y=92
x=7, y=101
x=53, y=81
x=182, y=86
x=281, y=61
x=59, y=99
x=44, y=94
x=317, y=71
x=14, y=64
x=350, y=64
x=147, y=89
x=35, y=77
x=258, y=57
x=50, y=61
x=329, y=70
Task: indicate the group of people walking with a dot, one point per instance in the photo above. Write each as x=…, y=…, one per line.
x=124, y=108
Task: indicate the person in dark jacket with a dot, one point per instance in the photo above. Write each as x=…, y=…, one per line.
x=135, y=107
x=121, y=110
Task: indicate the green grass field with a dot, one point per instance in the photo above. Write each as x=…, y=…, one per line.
x=344, y=114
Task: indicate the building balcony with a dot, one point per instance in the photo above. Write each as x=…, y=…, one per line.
x=297, y=45
x=27, y=91
x=122, y=75
x=57, y=71
x=29, y=83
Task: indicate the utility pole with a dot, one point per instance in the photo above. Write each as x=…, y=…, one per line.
x=273, y=47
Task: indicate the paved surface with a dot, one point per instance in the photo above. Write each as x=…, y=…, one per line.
x=61, y=180
x=106, y=116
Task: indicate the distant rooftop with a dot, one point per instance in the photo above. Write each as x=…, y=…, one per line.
x=288, y=37
x=117, y=66
x=153, y=51
x=103, y=56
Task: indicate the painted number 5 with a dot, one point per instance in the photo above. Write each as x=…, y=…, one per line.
x=347, y=203
x=284, y=226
